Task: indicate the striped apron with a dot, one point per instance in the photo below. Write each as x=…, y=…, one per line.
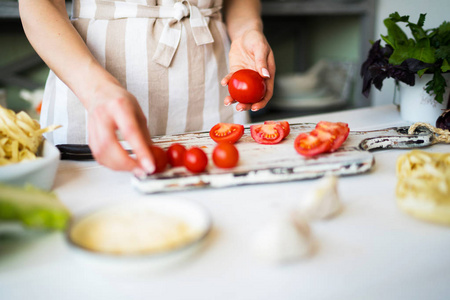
x=171, y=55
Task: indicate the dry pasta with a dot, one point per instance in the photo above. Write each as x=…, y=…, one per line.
x=20, y=136
x=423, y=187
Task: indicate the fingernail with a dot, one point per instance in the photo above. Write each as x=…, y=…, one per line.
x=149, y=167
x=240, y=109
x=139, y=173
x=227, y=104
x=265, y=73
x=255, y=109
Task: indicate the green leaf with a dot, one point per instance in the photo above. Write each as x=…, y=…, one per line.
x=396, y=36
x=397, y=18
x=421, y=72
x=418, y=32
x=421, y=21
x=444, y=32
x=424, y=54
x=436, y=86
x=445, y=66
x=443, y=52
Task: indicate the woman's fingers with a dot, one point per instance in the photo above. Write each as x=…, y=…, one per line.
x=132, y=126
x=228, y=101
x=265, y=63
x=117, y=110
x=104, y=145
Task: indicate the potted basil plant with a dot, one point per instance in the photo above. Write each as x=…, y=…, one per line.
x=419, y=66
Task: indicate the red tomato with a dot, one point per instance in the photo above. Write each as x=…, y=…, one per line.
x=247, y=86
x=324, y=136
x=195, y=160
x=226, y=132
x=310, y=145
x=225, y=155
x=339, y=130
x=175, y=155
x=160, y=158
x=267, y=133
x=284, y=124
x=334, y=128
x=39, y=107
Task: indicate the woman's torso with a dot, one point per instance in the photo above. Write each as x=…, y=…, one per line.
x=135, y=41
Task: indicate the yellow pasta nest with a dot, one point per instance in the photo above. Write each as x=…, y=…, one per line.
x=20, y=136
x=423, y=187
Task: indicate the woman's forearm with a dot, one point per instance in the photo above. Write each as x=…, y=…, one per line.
x=241, y=16
x=53, y=37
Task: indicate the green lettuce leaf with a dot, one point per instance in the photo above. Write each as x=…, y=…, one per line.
x=32, y=207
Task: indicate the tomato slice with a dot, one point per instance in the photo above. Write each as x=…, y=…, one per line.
x=267, y=133
x=310, y=145
x=284, y=124
x=332, y=127
x=226, y=132
x=339, y=129
x=324, y=136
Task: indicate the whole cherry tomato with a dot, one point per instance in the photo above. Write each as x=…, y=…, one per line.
x=195, y=160
x=226, y=132
x=247, y=86
x=160, y=158
x=175, y=155
x=225, y=155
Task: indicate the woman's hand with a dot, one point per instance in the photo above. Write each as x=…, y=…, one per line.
x=252, y=51
x=115, y=109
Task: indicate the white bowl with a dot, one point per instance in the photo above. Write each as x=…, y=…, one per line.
x=191, y=214
x=39, y=172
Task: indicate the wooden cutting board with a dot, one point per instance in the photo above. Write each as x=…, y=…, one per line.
x=278, y=163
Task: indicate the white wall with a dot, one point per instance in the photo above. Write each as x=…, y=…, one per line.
x=437, y=11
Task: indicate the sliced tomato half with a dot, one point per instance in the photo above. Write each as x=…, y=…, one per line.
x=226, y=132
x=284, y=124
x=339, y=129
x=267, y=133
x=333, y=127
x=310, y=145
x=324, y=136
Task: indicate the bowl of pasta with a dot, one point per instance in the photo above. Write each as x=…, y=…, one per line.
x=25, y=156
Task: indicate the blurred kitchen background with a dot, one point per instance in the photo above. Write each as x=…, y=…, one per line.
x=319, y=46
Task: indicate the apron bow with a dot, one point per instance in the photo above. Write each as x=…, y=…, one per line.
x=171, y=34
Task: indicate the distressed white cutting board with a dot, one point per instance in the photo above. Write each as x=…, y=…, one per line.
x=275, y=163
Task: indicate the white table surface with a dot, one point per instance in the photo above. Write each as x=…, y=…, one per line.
x=371, y=250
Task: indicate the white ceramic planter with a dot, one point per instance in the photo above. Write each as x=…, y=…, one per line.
x=416, y=105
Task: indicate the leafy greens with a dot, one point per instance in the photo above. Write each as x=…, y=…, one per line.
x=403, y=57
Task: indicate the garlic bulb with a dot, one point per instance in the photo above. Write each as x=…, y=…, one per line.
x=322, y=201
x=284, y=239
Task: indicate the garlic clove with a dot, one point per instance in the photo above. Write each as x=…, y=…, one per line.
x=284, y=239
x=322, y=201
